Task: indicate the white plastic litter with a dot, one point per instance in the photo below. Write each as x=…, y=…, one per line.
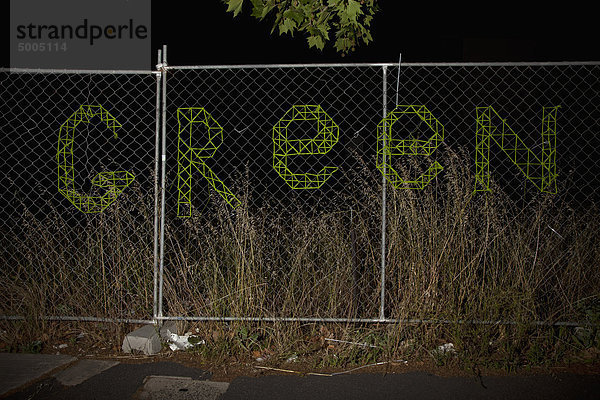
x=183, y=342
x=446, y=348
x=292, y=359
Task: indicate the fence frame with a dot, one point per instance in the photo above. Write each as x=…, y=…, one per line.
x=161, y=73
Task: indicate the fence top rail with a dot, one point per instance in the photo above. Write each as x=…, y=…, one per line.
x=323, y=65
x=404, y=64
x=77, y=71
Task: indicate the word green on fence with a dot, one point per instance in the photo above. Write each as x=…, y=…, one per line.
x=328, y=134
x=388, y=146
x=188, y=157
x=541, y=171
x=113, y=182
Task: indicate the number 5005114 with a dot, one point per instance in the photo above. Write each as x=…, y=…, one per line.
x=41, y=46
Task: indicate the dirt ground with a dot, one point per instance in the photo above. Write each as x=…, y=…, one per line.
x=88, y=341
x=231, y=367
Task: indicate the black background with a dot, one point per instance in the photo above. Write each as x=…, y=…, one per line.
x=421, y=31
x=201, y=32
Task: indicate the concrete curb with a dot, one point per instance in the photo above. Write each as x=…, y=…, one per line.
x=17, y=369
x=82, y=370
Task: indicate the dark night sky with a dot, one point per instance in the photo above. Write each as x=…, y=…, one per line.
x=420, y=31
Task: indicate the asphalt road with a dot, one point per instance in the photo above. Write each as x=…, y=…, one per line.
x=414, y=385
x=126, y=381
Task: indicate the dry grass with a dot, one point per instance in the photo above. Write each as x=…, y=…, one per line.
x=450, y=255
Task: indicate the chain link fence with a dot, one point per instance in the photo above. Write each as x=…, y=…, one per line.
x=274, y=197
x=78, y=194
x=297, y=151
x=508, y=229
x=281, y=215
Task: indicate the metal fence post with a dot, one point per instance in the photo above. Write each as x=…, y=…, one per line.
x=383, y=204
x=156, y=189
x=163, y=180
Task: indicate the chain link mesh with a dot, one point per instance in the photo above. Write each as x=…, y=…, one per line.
x=297, y=153
x=77, y=194
x=299, y=150
x=274, y=191
x=519, y=250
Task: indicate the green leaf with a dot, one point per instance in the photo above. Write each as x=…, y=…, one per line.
x=367, y=38
x=348, y=20
x=235, y=6
x=277, y=22
x=353, y=10
x=296, y=15
x=267, y=9
x=257, y=8
x=288, y=25
x=316, y=41
x=324, y=29
x=342, y=45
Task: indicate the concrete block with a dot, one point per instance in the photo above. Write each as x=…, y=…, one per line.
x=144, y=339
x=147, y=339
